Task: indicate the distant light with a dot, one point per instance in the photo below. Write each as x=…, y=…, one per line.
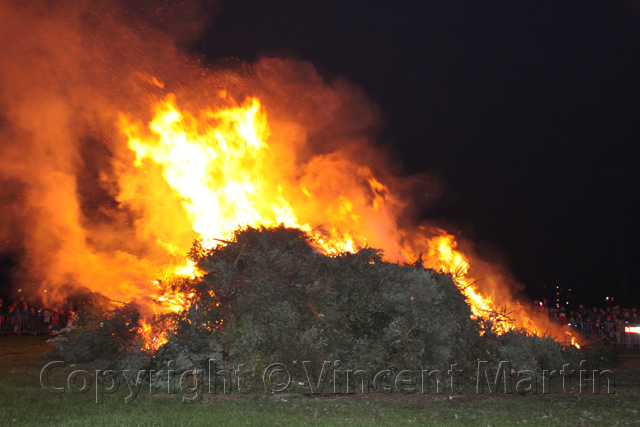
x=632, y=329
x=19, y=290
x=45, y=291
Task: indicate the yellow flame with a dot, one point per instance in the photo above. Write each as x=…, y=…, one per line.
x=221, y=167
x=153, y=339
x=443, y=249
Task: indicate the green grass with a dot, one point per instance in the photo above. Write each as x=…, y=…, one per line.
x=24, y=402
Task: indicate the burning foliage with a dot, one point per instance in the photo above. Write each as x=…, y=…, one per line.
x=270, y=296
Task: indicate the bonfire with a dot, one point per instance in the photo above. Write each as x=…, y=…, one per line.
x=126, y=153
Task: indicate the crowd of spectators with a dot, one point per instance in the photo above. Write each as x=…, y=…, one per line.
x=601, y=322
x=26, y=317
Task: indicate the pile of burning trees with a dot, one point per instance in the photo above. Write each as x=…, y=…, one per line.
x=269, y=297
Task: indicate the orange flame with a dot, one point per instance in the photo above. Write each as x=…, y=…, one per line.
x=152, y=339
x=225, y=172
x=444, y=257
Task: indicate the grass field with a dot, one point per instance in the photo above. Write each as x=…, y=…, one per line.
x=23, y=401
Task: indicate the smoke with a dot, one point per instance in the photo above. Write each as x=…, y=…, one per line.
x=68, y=68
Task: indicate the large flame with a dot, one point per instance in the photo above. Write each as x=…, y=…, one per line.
x=226, y=175
x=109, y=179
x=222, y=165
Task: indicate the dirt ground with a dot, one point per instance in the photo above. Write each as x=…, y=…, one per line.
x=630, y=358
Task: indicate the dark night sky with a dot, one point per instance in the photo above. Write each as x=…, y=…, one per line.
x=527, y=112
